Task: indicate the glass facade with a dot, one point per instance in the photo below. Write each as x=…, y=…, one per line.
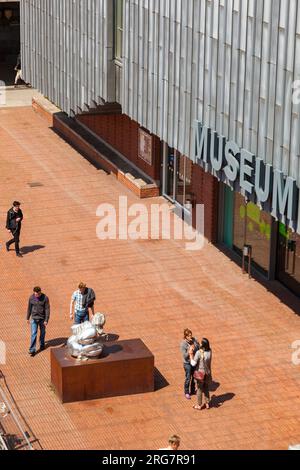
x=178, y=179
x=288, y=259
x=245, y=224
x=253, y=227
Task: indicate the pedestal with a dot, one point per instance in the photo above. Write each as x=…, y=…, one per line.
x=125, y=368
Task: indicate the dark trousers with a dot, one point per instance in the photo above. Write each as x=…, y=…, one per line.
x=189, y=383
x=15, y=240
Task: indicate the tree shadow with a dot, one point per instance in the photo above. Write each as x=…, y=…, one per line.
x=217, y=401
x=30, y=249
x=159, y=380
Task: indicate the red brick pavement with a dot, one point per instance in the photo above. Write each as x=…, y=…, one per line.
x=149, y=289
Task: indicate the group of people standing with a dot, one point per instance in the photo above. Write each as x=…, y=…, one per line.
x=197, y=359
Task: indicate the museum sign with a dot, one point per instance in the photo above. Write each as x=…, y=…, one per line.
x=239, y=168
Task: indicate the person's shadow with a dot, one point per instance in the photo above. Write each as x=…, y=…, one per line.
x=53, y=343
x=214, y=386
x=25, y=250
x=217, y=401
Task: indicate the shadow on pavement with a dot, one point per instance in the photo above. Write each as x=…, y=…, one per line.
x=159, y=380
x=56, y=342
x=30, y=249
x=217, y=401
x=214, y=386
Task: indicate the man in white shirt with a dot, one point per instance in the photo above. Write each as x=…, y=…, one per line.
x=83, y=298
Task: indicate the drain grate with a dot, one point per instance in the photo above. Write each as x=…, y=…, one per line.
x=35, y=185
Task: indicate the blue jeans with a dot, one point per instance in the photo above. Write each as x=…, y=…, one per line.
x=189, y=384
x=35, y=325
x=81, y=316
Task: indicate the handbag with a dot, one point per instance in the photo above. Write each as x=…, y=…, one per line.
x=199, y=375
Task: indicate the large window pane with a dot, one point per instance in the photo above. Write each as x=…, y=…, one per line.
x=289, y=258
x=252, y=227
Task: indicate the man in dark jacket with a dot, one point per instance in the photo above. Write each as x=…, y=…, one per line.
x=13, y=224
x=39, y=312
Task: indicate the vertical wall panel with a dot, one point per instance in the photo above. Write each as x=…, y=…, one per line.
x=67, y=50
x=228, y=63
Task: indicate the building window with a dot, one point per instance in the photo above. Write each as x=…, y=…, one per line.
x=288, y=259
x=251, y=226
x=118, y=28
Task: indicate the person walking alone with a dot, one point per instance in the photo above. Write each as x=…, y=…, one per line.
x=201, y=360
x=38, y=314
x=13, y=224
x=18, y=69
x=185, y=345
x=83, y=298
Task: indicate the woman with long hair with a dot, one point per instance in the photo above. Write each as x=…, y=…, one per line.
x=201, y=360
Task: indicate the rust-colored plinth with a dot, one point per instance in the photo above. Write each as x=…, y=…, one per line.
x=125, y=368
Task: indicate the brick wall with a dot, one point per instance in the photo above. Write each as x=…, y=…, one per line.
x=205, y=187
x=121, y=133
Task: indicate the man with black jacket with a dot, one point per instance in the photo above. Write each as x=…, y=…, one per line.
x=39, y=312
x=13, y=224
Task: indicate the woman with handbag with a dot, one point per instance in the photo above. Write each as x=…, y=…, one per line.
x=203, y=376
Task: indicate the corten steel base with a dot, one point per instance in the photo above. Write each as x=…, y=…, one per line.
x=125, y=368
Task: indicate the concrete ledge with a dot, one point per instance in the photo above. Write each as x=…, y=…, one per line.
x=44, y=108
x=62, y=124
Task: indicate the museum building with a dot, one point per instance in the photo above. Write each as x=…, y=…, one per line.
x=200, y=98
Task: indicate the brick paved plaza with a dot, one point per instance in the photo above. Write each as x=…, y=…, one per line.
x=150, y=290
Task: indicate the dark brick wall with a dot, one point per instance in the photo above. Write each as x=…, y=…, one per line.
x=121, y=133
x=206, y=190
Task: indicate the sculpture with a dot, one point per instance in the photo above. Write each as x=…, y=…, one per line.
x=86, y=341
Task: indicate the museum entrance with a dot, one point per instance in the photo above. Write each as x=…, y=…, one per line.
x=9, y=40
x=177, y=179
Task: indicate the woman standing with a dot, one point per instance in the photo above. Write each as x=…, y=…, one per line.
x=201, y=360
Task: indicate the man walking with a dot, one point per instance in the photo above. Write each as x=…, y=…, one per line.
x=83, y=298
x=18, y=69
x=39, y=313
x=13, y=224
